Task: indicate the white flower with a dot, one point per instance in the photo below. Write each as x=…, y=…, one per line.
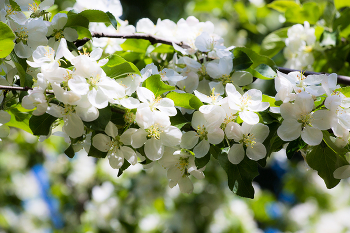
x=247, y=104
x=113, y=144
x=58, y=30
x=155, y=132
x=180, y=164
x=7, y=11
x=340, y=121
x=148, y=99
x=249, y=138
x=342, y=172
x=35, y=99
x=299, y=120
x=214, y=101
x=206, y=132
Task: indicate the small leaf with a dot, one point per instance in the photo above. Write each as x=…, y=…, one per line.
x=156, y=85
x=183, y=100
x=325, y=161
x=41, y=125
x=283, y=5
x=295, y=146
x=69, y=152
x=310, y=11
x=19, y=118
x=6, y=40
x=241, y=60
x=112, y=19
x=101, y=122
x=164, y=48
x=240, y=176
x=135, y=45
x=264, y=71
x=179, y=120
x=125, y=165
x=201, y=162
x=118, y=67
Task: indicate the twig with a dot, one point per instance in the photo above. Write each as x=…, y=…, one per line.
x=152, y=39
x=341, y=79
x=11, y=88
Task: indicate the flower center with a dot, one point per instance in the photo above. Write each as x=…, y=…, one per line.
x=153, y=132
x=305, y=119
x=249, y=140
x=58, y=34
x=22, y=34
x=202, y=132
x=183, y=164
x=225, y=79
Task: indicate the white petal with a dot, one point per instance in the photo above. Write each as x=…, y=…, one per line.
x=174, y=173
x=257, y=152
x=73, y=126
x=154, y=149
x=321, y=119
x=249, y=117
x=185, y=185
x=97, y=98
x=342, y=172
x=236, y=153
x=234, y=131
x=111, y=130
x=138, y=138
x=215, y=135
x=242, y=78
x=289, y=130
x=116, y=161
x=260, y=132
x=101, y=142
x=311, y=136
x=4, y=117
x=171, y=136
x=4, y=131
x=201, y=149
x=189, y=139
x=125, y=138
x=129, y=154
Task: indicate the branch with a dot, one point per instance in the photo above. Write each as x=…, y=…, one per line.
x=150, y=38
x=11, y=88
x=341, y=79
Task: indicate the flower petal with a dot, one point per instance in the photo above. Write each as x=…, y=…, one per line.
x=236, y=153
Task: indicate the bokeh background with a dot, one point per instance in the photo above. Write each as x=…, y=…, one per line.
x=44, y=191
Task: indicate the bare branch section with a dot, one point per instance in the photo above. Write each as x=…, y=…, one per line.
x=12, y=88
x=341, y=79
x=150, y=38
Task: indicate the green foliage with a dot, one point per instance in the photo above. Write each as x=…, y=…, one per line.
x=101, y=122
x=201, y=162
x=135, y=45
x=241, y=60
x=118, y=67
x=70, y=151
x=294, y=146
x=19, y=118
x=6, y=40
x=341, y=3
x=274, y=42
x=163, y=48
x=309, y=11
x=240, y=176
x=283, y=5
x=185, y=100
x=41, y=125
x=156, y=85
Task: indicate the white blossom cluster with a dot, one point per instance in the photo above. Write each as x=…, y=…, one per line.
x=299, y=45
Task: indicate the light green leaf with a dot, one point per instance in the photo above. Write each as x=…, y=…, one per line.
x=344, y=90
x=325, y=161
x=240, y=176
x=257, y=59
x=118, y=67
x=83, y=32
x=185, y=100
x=6, y=40
x=271, y=100
x=274, y=42
x=96, y=16
x=163, y=48
x=156, y=85
x=310, y=11
x=41, y=125
x=282, y=5
x=135, y=45
x=341, y=3
x=19, y=118
x=264, y=71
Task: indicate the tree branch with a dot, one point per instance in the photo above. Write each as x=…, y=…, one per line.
x=341, y=79
x=150, y=38
x=11, y=88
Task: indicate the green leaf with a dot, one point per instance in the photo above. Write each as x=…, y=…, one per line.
x=118, y=67
x=83, y=32
x=310, y=11
x=295, y=146
x=6, y=40
x=21, y=66
x=75, y=19
x=269, y=99
x=273, y=142
x=240, y=176
x=41, y=125
x=156, y=85
x=93, y=152
x=241, y=60
x=19, y=118
x=201, y=162
x=69, y=152
x=184, y=100
x=135, y=45
x=341, y=3
x=282, y=5
x=125, y=165
x=274, y=42
x=257, y=59
x=344, y=90
x=95, y=16
x=325, y=161
x=263, y=71
x=164, y=48
x=332, y=145
x=101, y=122
x=112, y=19
x=179, y=120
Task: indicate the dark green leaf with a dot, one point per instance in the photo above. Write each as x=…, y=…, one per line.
x=93, y=152
x=41, y=125
x=69, y=152
x=156, y=85
x=273, y=142
x=240, y=176
x=295, y=146
x=215, y=151
x=201, y=162
x=101, y=122
x=112, y=19
x=75, y=19
x=83, y=32
x=325, y=161
x=264, y=72
x=241, y=61
x=21, y=66
x=256, y=58
x=332, y=145
x=95, y=16
x=178, y=120
x=125, y=165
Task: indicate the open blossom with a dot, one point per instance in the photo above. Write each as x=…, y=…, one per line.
x=57, y=28
x=180, y=164
x=246, y=104
x=299, y=120
x=155, y=132
x=249, y=138
x=35, y=99
x=205, y=132
x=114, y=145
x=339, y=106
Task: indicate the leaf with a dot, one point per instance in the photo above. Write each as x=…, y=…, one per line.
x=19, y=118
x=118, y=67
x=179, y=120
x=6, y=40
x=273, y=142
x=95, y=16
x=83, y=32
x=264, y=72
x=282, y=5
x=269, y=99
x=295, y=146
x=69, y=152
x=310, y=11
x=156, y=85
x=135, y=45
x=41, y=125
x=332, y=145
x=75, y=19
x=344, y=90
x=329, y=38
x=125, y=165
x=257, y=59
x=112, y=19
x=201, y=162
x=184, y=100
x=21, y=66
x=241, y=60
x=240, y=176
x=101, y=122
x=341, y=3
x=274, y=42
x=325, y=161
x=93, y=152
x=164, y=48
